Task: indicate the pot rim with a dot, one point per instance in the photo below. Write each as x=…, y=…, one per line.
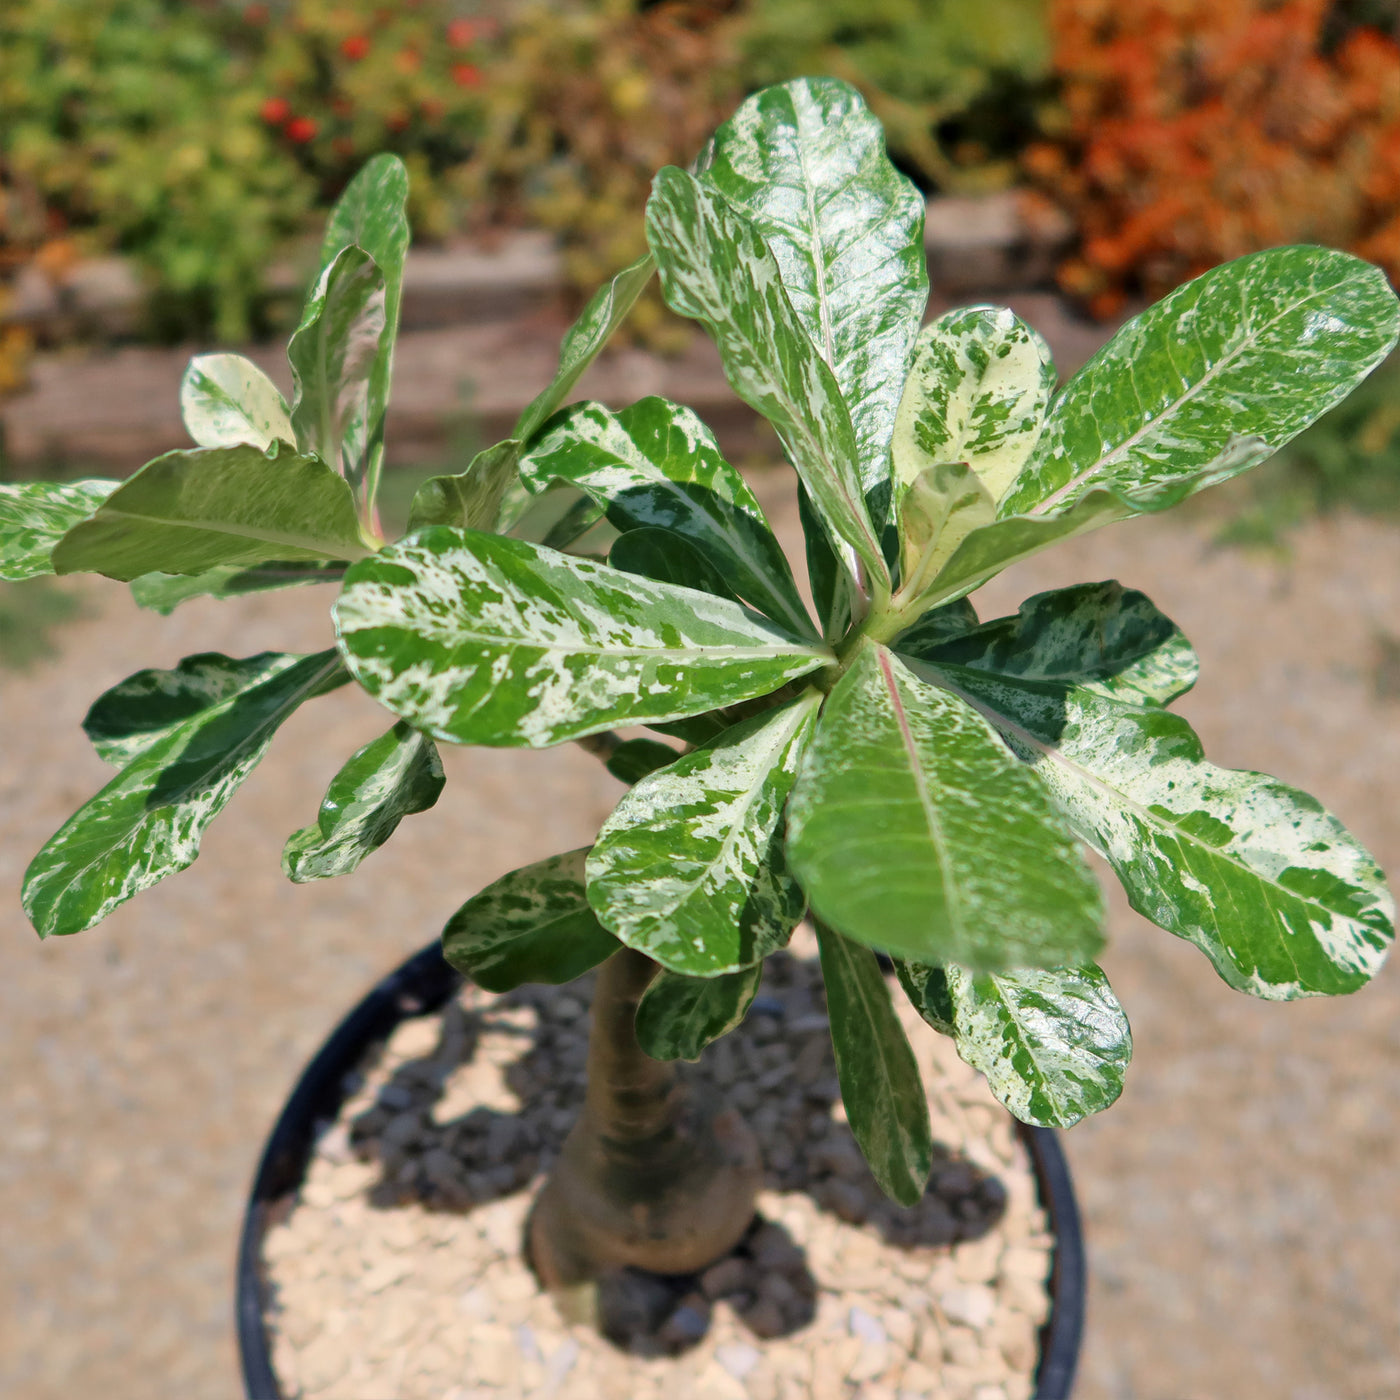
x=422, y=985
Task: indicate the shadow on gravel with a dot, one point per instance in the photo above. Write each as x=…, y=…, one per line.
x=777, y=1069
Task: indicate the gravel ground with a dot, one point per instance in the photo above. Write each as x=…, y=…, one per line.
x=1244, y=1228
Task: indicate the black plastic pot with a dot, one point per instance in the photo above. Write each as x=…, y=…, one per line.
x=424, y=984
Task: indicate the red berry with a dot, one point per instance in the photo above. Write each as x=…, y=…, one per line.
x=275, y=110
x=460, y=33
x=355, y=47
x=301, y=129
x=466, y=75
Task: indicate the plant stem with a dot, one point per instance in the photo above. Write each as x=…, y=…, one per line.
x=655, y=1173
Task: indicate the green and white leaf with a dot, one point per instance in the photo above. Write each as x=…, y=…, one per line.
x=391, y=778
x=372, y=214
x=875, y=1066
x=200, y=508
x=805, y=160
x=1054, y=1043
x=1259, y=347
x=914, y=830
x=226, y=400
x=333, y=353
x=1101, y=636
x=1272, y=888
x=988, y=549
x=481, y=498
x=163, y=593
x=584, y=340
x=689, y=868
x=147, y=707
x=937, y=625
x=655, y=464
x=35, y=515
x=939, y=509
x=977, y=393
x=678, y=1017
x=717, y=269
x=835, y=592
x=533, y=925
x=482, y=639
x=148, y=822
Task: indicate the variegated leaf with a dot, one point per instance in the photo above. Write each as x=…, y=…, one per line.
x=913, y=830
x=584, y=340
x=976, y=393
x=1259, y=347
x=1272, y=888
x=938, y=625
x=1101, y=636
x=163, y=593
x=678, y=1017
x=805, y=160
x=389, y=779
x=148, y=822
x=197, y=509
x=879, y=1077
x=689, y=869
x=476, y=499
x=655, y=464
x=939, y=509
x=716, y=269
x=834, y=589
x=1053, y=1043
x=988, y=549
x=147, y=707
x=482, y=639
x=333, y=353
x=226, y=400
x=372, y=214
x=35, y=515
x=533, y=925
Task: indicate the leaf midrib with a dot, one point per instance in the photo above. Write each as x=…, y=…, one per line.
x=1152, y=424
x=1149, y=818
x=312, y=543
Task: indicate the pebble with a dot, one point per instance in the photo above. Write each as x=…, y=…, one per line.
x=405, y=1247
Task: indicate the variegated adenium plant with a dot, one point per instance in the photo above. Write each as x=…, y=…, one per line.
x=917, y=780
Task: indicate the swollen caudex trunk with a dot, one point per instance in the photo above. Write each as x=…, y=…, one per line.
x=657, y=1173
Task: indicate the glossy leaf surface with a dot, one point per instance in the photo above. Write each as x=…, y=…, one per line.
x=482, y=639
x=633, y=759
x=1259, y=347
x=913, y=830
x=163, y=593
x=1271, y=887
x=333, y=353
x=655, y=464
x=668, y=558
x=879, y=1077
x=1098, y=635
x=1054, y=1043
x=147, y=707
x=805, y=160
x=226, y=400
x=678, y=1017
x=35, y=515
x=192, y=511
x=391, y=778
x=148, y=822
x=533, y=925
x=716, y=269
x=584, y=340
x=977, y=393
x=689, y=868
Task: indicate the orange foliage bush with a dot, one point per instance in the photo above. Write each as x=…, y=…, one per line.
x=1198, y=130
